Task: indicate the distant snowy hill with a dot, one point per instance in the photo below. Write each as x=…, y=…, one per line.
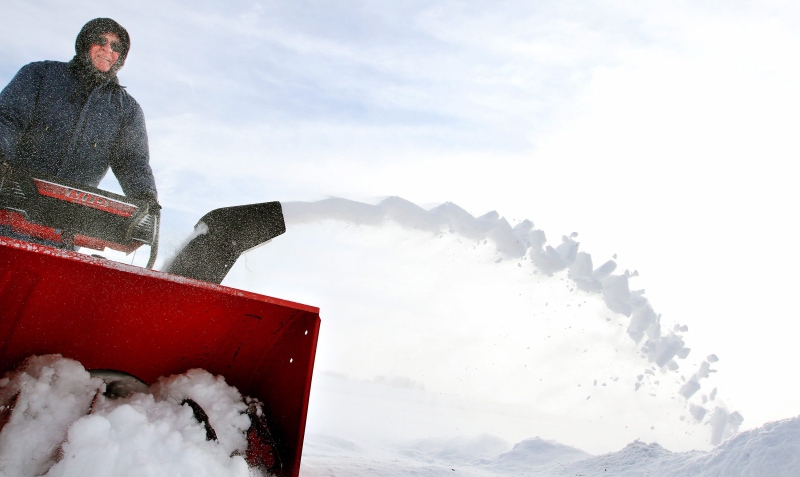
x=771, y=450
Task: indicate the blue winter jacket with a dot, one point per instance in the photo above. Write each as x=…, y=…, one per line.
x=44, y=129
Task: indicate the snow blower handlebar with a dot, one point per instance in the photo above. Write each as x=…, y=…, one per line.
x=74, y=215
x=156, y=214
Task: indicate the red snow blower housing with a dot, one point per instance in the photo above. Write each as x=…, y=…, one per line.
x=144, y=323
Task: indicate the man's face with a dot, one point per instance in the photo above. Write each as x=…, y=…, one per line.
x=105, y=55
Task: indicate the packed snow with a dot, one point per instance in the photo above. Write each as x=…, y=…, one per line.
x=58, y=422
x=534, y=361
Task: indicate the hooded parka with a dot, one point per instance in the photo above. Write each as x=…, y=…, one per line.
x=69, y=120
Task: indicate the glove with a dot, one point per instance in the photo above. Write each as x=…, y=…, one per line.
x=152, y=201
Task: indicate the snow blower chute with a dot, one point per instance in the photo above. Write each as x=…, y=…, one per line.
x=145, y=323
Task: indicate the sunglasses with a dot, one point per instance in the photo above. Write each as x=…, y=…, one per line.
x=103, y=41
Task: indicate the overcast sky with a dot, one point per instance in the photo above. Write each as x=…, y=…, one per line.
x=663, y=132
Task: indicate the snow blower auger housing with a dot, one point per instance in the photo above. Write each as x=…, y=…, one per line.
x=145, y=323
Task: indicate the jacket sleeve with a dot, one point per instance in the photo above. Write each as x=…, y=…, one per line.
x=17, y=104
x=130, y=158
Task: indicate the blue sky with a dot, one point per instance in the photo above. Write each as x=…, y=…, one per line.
x=662, y=132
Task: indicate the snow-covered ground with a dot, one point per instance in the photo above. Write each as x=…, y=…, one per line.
x=772, y=450
x=449, y=343
x=51, y=433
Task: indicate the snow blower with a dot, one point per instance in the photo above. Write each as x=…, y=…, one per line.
x=144, y=323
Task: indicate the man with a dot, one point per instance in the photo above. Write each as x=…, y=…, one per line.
x=73, y=120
